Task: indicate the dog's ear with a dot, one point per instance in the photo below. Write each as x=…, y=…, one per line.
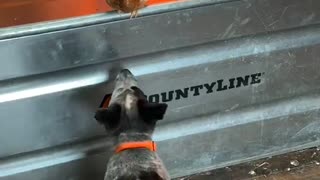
x=110, y=117
x=151, y=111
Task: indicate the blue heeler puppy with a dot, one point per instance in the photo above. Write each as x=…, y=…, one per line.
x=131, y=119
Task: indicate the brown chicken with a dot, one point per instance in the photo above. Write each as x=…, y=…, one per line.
x=127, y=6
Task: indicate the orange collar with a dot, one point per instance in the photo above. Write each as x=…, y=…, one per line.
x=105, y=101
x=151, y=145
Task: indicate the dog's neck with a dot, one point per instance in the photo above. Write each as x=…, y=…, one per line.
x=133, y=137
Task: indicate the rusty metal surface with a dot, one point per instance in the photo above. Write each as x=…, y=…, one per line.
x=44, y=23
x=21, y=12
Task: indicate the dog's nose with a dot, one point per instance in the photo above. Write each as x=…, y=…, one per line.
x=125, y=73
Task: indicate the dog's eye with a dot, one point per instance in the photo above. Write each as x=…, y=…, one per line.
x=138, y=92
x=120, y=89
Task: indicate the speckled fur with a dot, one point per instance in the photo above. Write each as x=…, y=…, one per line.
x=132, y=123
x=136, y=162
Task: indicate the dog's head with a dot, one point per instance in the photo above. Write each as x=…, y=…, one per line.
x=129, y=110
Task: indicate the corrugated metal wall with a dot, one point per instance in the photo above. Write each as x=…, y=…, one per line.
x=248, y=70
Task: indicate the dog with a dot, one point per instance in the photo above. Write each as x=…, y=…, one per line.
x=131, y=120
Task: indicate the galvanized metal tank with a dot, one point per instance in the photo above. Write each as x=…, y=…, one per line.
x=241, y=79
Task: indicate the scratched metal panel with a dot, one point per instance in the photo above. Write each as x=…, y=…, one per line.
x=241, y=80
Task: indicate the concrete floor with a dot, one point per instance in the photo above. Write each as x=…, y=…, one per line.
x=300, y=165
